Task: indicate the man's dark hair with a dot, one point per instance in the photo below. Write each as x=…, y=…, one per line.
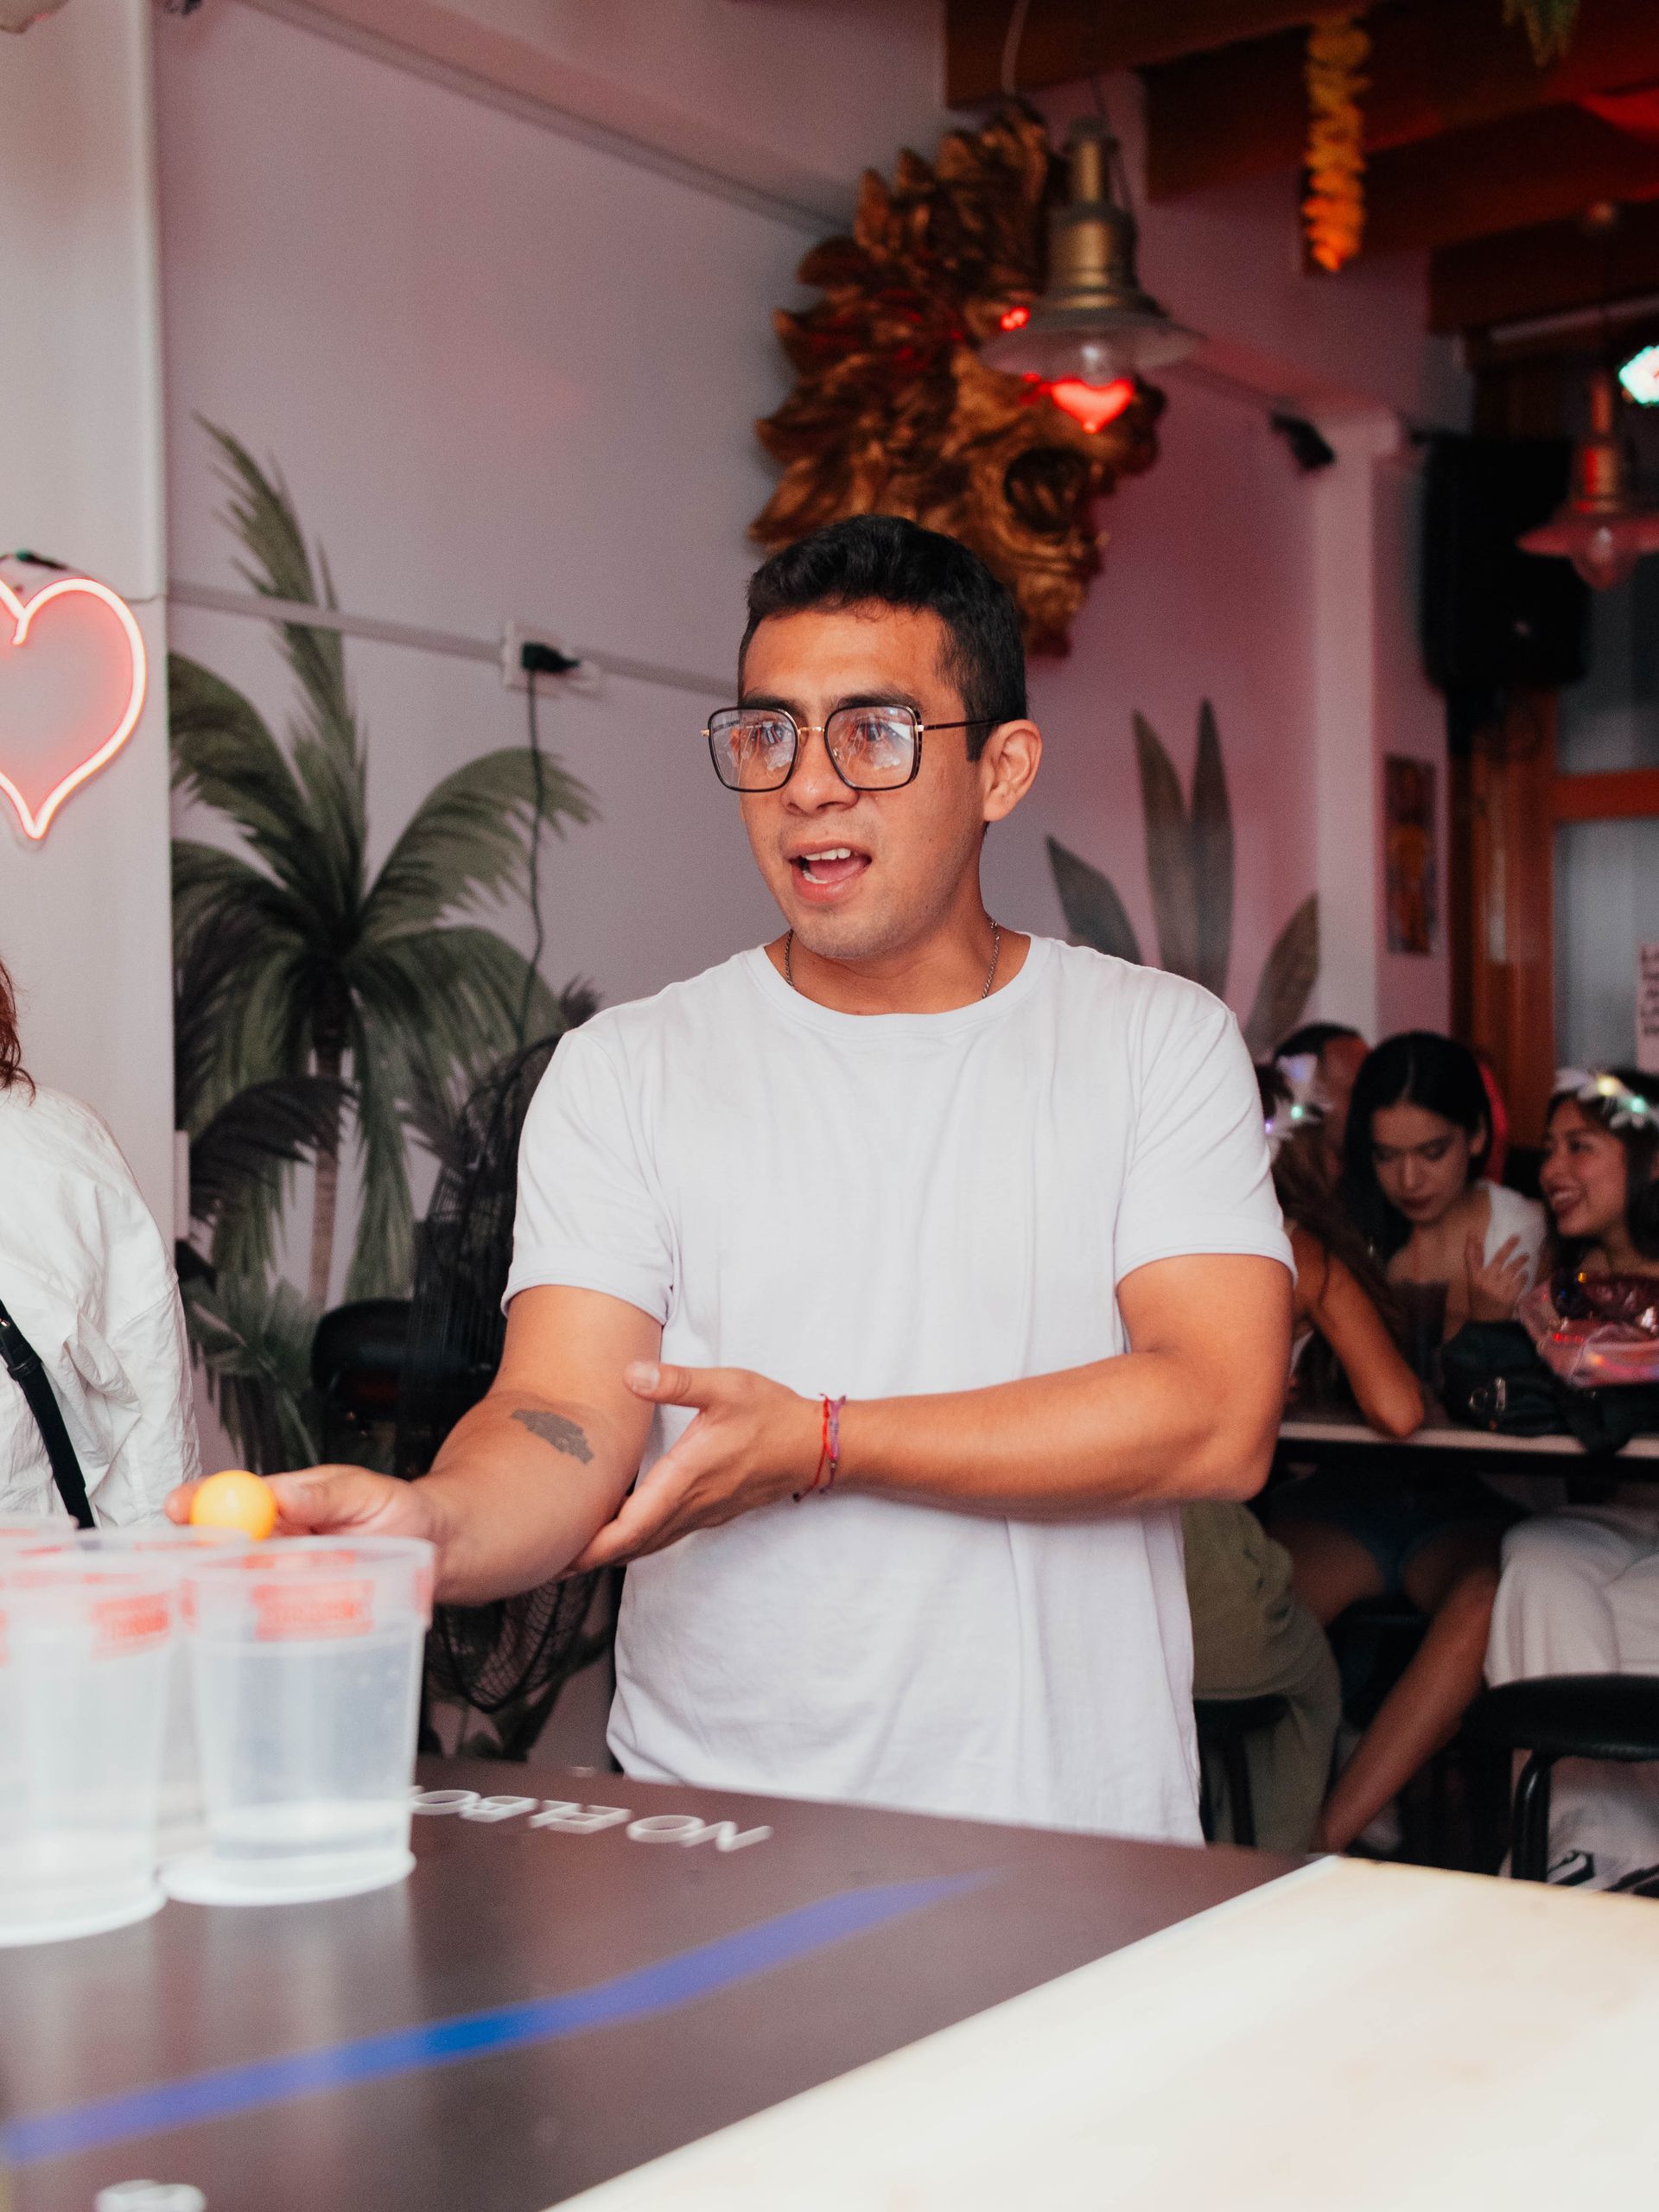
x=885, y=561
x=1313, y=1038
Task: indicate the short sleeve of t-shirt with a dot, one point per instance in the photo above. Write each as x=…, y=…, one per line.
x=1197, y=1177
x=589, y=1213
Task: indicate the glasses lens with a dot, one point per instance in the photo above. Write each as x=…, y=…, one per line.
x=875, y=747
x=752, y=752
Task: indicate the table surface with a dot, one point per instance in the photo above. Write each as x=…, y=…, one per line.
x=1337, y=1439
x=1338, y=1425
x=537, y=2009
x=1370, y=2037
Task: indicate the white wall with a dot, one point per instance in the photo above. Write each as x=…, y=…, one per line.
x=1205, y=594
x=1414, y=989
x=509, y=371
x=791, y=98
x=84, y=919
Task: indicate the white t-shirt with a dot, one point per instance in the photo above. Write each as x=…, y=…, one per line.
x=87, y=1277
x=884, y=1206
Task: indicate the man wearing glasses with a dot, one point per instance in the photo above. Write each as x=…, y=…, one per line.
x=879, y=1294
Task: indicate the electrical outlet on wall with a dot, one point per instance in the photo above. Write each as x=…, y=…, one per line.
x=515, y=638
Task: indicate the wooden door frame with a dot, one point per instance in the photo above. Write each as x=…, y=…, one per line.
x=1508, y=800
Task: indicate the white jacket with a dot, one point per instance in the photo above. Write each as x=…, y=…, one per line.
x=88, y=1278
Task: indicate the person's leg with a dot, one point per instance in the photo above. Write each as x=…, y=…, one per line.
x=1251, y=1637
x=1553, y=1614
x=1453, y=1578
x=1331, y=1569
x=1290, y=1763
x=1579, y=1595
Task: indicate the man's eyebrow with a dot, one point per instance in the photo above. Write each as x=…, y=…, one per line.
x=886, y=698
x=890, y=696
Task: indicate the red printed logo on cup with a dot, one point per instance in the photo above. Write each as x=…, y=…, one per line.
x=313, y=1609
x=123, y=1625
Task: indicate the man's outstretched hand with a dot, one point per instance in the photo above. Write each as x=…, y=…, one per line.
x=752, y=1444
x=334, y=1501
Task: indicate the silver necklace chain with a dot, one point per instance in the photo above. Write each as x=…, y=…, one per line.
x=991, y=973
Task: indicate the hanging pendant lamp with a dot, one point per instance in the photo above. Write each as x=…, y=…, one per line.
x=1094, y=330
x=1600, y=527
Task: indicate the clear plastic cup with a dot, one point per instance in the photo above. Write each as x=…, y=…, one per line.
x=35, y=1531
x=305, y=1659
x=84, y=1645
x=182, y=1825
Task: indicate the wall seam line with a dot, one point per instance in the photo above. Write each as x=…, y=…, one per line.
x=815, y=222
x=211, y=599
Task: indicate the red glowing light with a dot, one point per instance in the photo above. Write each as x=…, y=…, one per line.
x=37, y=821
x=1013, y=318
x=1094, y=405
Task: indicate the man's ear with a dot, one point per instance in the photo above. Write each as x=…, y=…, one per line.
x=1012, y=754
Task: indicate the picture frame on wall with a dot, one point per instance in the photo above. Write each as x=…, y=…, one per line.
x=1411, y=855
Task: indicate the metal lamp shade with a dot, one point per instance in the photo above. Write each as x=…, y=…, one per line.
x=1093, y=322
x=1600, y=528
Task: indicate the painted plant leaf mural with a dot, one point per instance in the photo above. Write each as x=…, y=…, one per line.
x=315, y=1002
x=1288, y=981
x=1094, y=913
x=1210, y=841
x=1191, y=869
x=1169, y=854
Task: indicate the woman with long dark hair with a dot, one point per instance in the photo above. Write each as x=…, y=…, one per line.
x=1579, y=1590
x=87, y=1277
x=1414, y=1181
x=1252, y=1636
x=1418, y=1131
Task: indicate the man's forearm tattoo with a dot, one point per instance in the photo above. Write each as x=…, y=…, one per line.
x=564, y=1435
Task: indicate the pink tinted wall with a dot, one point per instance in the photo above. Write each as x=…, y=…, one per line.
x=511, y=375
x=1205, y=594
x=1414, y=989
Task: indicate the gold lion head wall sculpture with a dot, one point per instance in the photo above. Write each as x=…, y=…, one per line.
x=893, y=411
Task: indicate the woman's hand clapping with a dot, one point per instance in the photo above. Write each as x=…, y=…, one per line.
x=1495, y=1285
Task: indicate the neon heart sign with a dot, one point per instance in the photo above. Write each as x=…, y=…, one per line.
x=36, y=821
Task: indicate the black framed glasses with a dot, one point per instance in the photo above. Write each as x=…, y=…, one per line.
x=871, y=748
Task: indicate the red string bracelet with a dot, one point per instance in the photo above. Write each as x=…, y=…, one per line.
x=832, y=1439
x=828, y=1450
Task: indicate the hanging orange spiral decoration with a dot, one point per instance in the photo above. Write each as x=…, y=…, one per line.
x=1333, y=210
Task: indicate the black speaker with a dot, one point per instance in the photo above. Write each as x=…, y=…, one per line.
x=1494, y=618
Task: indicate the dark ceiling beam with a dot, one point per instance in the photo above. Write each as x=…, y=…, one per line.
x=1502, y=176
x=1435, y=65
x=1551, y=269
x=1064, y=40
x=1571, y=351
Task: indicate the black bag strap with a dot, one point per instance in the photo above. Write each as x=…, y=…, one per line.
x=22, y=1363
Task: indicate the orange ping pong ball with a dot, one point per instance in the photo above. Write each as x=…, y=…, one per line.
x=235, y=1499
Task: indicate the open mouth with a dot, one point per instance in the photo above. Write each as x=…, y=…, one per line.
x=830, y=868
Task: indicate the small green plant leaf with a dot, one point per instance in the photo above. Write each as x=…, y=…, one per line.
x=1288, y=980
x=1211, y=845
x=1094, y=913
x=253, y=1341
x=1169, y=854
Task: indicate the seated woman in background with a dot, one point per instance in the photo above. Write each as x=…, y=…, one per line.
x=1416, y=1144
x=1579, y=1590
x=1252, y=1636
x=87, y=1276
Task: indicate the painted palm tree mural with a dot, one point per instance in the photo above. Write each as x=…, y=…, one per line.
x=1190, y=867
x=319, y=1003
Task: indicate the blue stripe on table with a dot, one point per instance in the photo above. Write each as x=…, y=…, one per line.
x=259, y=2083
